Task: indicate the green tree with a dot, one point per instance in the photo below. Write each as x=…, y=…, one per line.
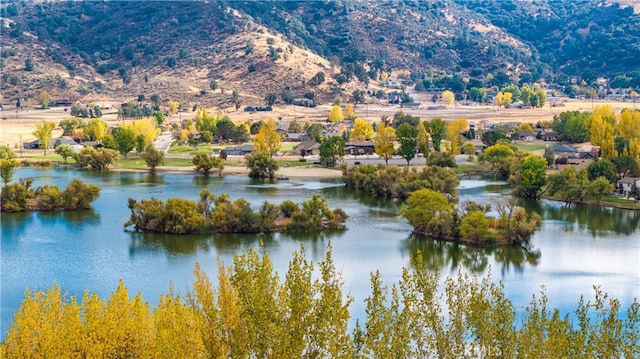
x=28, y=64
x=99, y=159
x=478, y=94
x=429, y=212
x=261, y=165
x=65, y=151
x=270, y=98
x=532, y=177
x=125, y=140
x=600, y=187
x=490, y=138
x=384, y=142
x=69, y=124
x=331, y=149
x=357, y=97
x=95, y=130
x=267, y=140
x=43, y=133
x=438, y=132
x=7, y=165
x=205, y=162
x=235, y=98
x=153, y=157
x=315, y=131
x=79, y=196
x=602, y=167
x=407, y=136
x=474, y=226
x=44, y=98
x=499, y=155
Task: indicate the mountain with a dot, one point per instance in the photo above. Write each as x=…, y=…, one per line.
x=320, y=49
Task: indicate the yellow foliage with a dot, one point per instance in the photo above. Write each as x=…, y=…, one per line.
x=267, y=140
x=348, y=112
x=335, y=114
x=362, y=130
x=454, y=135
x=146, y=127
x=629, y=125
x=384, y=76
x=448, y=97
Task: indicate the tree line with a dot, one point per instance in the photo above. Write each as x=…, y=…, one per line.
x=20, y=196
x=218, y=214
x=253, y=311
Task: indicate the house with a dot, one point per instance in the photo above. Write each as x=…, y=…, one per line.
x=64, y=140
x=526, y=136
x=33, y=145
x=550, y=136
x=411, y=105
x=359, y=148
x=242, y=150
x=394, y=98
x=303, y=101
x=624, y=185
x=307, y=148
x=297, y=137
x=479, y=133
x=565, y=151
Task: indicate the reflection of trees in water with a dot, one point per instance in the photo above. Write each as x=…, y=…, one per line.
x=14, y=224
x=132, y=179
x=598, y=221
x=172, y=244
x=440, y=254
x=204, y=181
x=86, y=217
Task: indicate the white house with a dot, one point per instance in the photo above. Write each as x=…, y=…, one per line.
x=624, y=185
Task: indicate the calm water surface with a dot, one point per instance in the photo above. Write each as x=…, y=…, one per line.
x=575, y=249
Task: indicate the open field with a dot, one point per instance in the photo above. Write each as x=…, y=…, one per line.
x=17, y=126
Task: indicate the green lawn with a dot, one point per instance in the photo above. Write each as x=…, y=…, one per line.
x=461, y=169
x=530, y=148
x=186, y=149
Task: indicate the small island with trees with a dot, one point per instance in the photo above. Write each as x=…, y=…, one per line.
x=218, y=214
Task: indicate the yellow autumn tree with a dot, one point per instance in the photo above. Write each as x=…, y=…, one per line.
x=362, y=130
x=348, y=113
x=173, y=106
x=448, y=97
x=607, y=149
x=384, y=76
x=454, y=135
x=503, y=99
x=629, y=125
x=596, y=130
x=423, y=139
x=147, y=127
x=335, y=114
x=267, y=140
x=384, y=141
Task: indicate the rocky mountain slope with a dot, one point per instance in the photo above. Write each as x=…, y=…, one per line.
x=199, y=52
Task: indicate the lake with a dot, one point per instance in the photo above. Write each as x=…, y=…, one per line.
x=575, y=249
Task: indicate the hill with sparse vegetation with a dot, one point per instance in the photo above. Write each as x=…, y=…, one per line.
x=199, y=53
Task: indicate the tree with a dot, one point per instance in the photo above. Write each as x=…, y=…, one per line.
x=531, y=177
x=69, y=124
x=44, y=99
x=448, y=97
x=602, y=168
x=629, y=125
x=499, y=155
x=438, y=132
x=213, y=85
x=474, y=226
x=478, y=94
x=173, y=106
x=454, y=134
x=384, y=142
x=7, y=165
x=95, y=130
x=267, y=140
x=624, y=165
x=504, y=99
x=153, y=157
x=99, y=159
x=65, y=151
x=357, y=97
x=407, y=135
x=335, y=114
x=205, y=162
x=28, y=64
x=261, y=165
x=315, y=131
x=43, y=133
x=549, y=155
x=235, y=98
x=270, y=98
x=349, y=113
x=362, y=130
x=429, y=213
x=125, y=140
x=331, y=150
x=600, y=187
x=423, y=138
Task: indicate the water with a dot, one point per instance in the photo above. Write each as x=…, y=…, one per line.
x=575, y=248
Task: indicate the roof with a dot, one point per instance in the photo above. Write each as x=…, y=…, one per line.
x=360, y=144
x=629, y=180
x=305, y=145
x=526, y=134
x=564, y=148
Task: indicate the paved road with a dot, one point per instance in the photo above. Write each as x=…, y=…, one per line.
x=163, y=142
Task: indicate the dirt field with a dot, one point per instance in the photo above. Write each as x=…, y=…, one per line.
x=17, y=127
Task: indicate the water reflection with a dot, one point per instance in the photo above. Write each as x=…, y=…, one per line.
x=87, y=217
x=451, y=256
x=14, y=225
x=597, y=221
x=133, y=179
x=201, y=181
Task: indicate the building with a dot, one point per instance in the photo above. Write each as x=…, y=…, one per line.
x=624, y=185
x=307, y=148
x=550, y=136
x=359, y=148
x=565, y=151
